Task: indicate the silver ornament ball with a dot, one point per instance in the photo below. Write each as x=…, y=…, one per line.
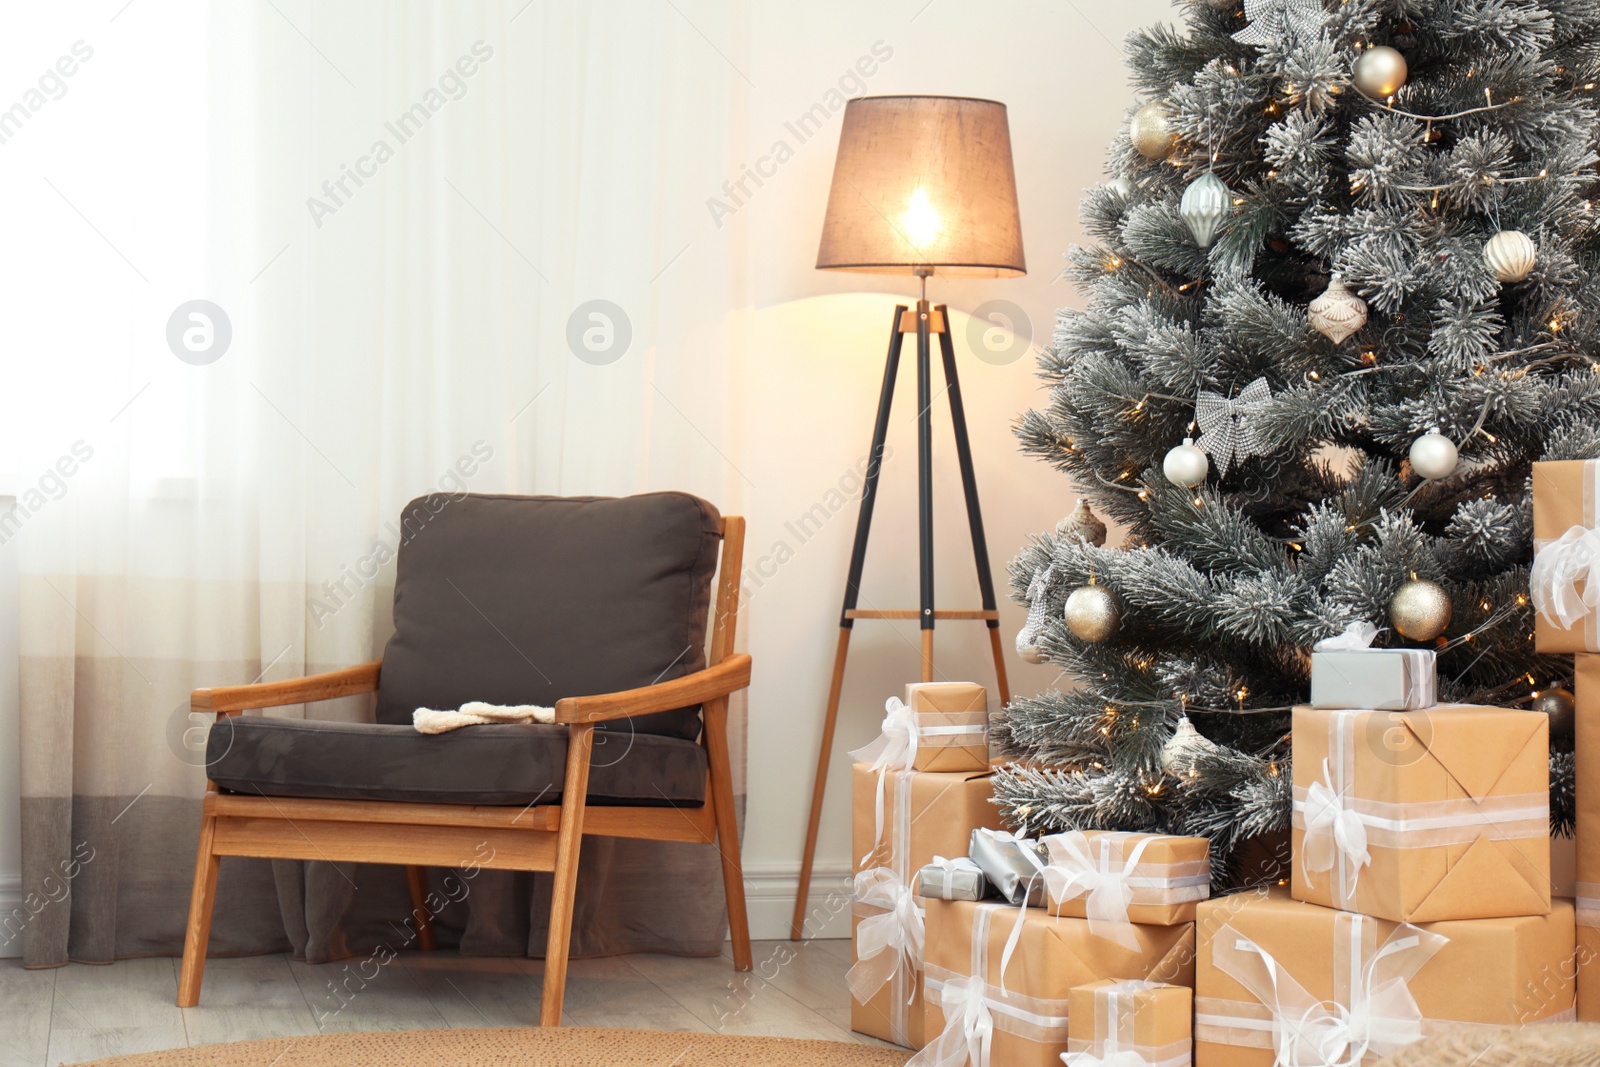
x=1379, y=72
x=1420, y=610
x=1206, y=202
x=1338, y=312
x=1434, y=456
x=1151, y=131
x=1082, y=525
x=1092, y=613
x=1186, y=465
x=1121, y=188
x=1511, y=255
x=1031, y=654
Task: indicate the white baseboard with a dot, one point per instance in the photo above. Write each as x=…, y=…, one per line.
x=769, y=893
x=10, y=899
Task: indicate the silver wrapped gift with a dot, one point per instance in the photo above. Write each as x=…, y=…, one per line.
x=957, y=879
x=1345, y=673
x=1013, y=865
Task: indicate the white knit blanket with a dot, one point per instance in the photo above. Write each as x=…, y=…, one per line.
x=477, y=713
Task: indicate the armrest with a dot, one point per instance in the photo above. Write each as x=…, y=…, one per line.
x=340, y=683
x=730, y=675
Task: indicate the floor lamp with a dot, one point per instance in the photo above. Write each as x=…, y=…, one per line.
x=921, y=185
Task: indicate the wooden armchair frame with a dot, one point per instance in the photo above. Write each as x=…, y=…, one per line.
x=535, y=838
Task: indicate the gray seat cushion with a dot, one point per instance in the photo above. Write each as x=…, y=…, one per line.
x=498, y=764
x=525, y=600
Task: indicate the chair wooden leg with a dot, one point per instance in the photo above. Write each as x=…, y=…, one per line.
x=417, y=886
x=574, y=792
x=721, y=800
x=198, y=934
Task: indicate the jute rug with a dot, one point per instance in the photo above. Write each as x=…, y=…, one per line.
x=1567, y=1044
x=522, y=1047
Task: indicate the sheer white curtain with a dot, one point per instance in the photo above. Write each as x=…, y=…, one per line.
x=404, y=212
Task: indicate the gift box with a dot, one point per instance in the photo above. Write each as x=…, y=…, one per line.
x=1418, y=816
x=1566, y=547
x=1279, y=981
x=951, y=720
x=901, y=821
x=1586, y=738
x=1123, y=1022
x=1346, y=673
x=952, y=879
x=1115, y=879
x=1010, y=996
x=1013, y=866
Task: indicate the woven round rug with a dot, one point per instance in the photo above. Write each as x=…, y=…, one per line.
x=519, y=1046
x=1567, y=1044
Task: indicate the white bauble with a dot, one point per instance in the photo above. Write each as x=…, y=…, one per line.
x=1379, y=72
x=1511, y=254
x=1434, y=456
x=1205, y=204
x=1121, y=188
x=1031, y=654
x=1186, y=465
x=1338, y=312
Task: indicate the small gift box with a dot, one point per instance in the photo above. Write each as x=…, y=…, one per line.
x=1418, y=816
x=901, y=820
x=950, y=721
x=1346, y=673
x=1129, y=1022
x=1281, y=982
x=956, y=879
x=999, y=979
x=1564, y=583
x=1117, y=879
x=1586, y=726
x=1013, y=865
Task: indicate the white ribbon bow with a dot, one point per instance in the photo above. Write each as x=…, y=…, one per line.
x=1122, y=1057
x=1558, y=568
x=1371, y=1011
x=1357, y=636
x=1270, y=18
x=1228, y=431
x=968, y=1033
x=1029, y=850
x=1105, y=884
x=886, y=940
x=894, y=750
x=1335, y=832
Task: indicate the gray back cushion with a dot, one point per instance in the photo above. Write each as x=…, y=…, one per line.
x=528, y=599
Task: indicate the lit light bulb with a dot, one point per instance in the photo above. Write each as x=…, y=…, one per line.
x=920, y=222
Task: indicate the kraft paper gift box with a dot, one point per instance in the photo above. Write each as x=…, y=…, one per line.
x=1113, y=878
x=1125, y=1021
x=1015, y=1009
x=1566, y=546
x=1586, y=726
x=951, y=720
x=1419, y=816
x=923, y=815
x=1347, y=673
x=1279, y=981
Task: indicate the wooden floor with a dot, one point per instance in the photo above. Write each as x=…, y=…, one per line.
x=82, y=1012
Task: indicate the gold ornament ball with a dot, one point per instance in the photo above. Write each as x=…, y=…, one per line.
x=1092, y=613
x=1151, y=131
x=1560, y=706
x=1380, y=72
x=1420, y=610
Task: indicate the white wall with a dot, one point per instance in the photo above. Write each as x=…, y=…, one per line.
x=814, y=345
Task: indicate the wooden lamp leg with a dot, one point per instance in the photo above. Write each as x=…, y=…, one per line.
x=563, y=894
x=802, y=896
x=417, y=887
x=198, y=934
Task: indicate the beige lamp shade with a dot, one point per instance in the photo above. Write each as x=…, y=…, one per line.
x=923, y=182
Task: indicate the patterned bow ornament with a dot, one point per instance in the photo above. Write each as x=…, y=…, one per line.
x=895, y=749
x=1335, y=833
x=1558, y=568
x=1270, y=19
x=885, y=940
x=1227, y=426
x=1038, y=610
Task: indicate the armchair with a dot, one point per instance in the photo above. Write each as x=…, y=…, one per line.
x=510, y=600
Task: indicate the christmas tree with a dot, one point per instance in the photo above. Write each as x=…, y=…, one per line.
x=1351, y=252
